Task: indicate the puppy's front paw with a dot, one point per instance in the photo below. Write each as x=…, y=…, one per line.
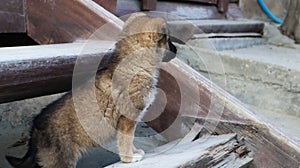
x=137, y=155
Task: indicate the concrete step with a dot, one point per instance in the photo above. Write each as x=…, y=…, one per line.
x=267, y=77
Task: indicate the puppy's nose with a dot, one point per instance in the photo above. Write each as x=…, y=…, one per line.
x=171, y=53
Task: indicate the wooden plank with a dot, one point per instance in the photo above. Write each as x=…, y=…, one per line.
x=268, y=150
x=220, y=26
x=225, y=35
x=109, y=5
x=12, y=16
x=60, y=21
x=207, y=151
x=189, y=29
x=33, y=71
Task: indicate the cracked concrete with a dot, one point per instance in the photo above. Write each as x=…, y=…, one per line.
x=266, y=76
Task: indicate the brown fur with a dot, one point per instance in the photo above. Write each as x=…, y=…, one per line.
x=72, y=125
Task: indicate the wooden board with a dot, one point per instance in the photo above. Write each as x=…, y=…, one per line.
x=109, y=5
x=267, y=149
x=208, y=151
x=33, y=71
x=61, y=21
x=191, y=29
x=12, y=17
x=222, y=26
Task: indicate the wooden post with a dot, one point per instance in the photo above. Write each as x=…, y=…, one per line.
x=149, y=5
x=12, y=16
x=223, y=5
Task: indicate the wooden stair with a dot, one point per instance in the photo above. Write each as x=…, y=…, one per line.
x=41, y=70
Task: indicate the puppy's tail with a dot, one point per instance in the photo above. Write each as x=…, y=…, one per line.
x=29, y=160
x=20, y=162
x=25, y=162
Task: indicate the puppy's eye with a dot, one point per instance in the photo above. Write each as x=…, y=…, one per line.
x=163, y=38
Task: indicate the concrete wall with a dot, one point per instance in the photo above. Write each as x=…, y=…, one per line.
x=252, y=10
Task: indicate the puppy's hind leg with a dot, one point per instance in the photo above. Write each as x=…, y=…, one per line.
x=58, y=157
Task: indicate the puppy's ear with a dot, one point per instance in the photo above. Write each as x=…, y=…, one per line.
x=134, y=16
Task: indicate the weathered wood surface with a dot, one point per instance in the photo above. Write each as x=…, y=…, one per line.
x=219, y=113
x=109, y=5
x=268, y=150
x=228, y=26
x=12, y=16
x=60, y=21
x=208, y=151
x=33, y=71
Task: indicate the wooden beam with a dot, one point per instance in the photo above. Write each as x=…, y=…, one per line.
x=61, y=21
x=267, y=148
x=220, y=26
x=188, y=29
x=109, y=5
x=12, y=16
x=33, y=71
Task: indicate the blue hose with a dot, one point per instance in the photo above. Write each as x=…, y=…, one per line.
x=268, y=12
